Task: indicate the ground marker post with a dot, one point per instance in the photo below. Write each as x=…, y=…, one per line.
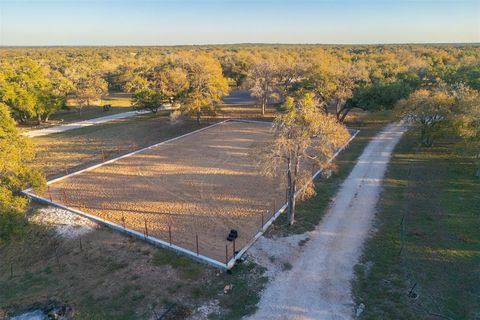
x=49, y=193
x=226, y=254
x=64, y=196
x=170, y=234
x=234, y=248
x=274, y=206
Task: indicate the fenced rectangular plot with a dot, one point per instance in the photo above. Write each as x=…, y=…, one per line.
x=189, y=192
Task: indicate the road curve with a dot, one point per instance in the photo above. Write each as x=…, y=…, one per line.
x=318, y=285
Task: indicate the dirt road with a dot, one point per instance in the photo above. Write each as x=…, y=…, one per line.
x=82, y=124
x=318, y=284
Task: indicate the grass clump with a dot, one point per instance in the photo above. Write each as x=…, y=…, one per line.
x=186, y=266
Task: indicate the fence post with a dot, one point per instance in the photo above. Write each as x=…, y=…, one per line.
x=49, y=193
x=196, y=239
x=170, y=234
x=146, y=229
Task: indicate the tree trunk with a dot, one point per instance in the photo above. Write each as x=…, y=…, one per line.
x=264, y=104
x=290, y=194
x=292, y=187
x=39, y=119
x=344, y=115
x=198, y=117
x=338, y=109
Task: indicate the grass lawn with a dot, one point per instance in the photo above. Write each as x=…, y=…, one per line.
x=435, y=253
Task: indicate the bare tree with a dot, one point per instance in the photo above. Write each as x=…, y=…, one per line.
x=303, y=134
x=262, y=81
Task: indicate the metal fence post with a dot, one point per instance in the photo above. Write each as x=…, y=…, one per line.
x=196, y=239
x=146, y=229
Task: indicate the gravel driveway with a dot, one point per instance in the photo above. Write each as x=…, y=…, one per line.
x=318, y=284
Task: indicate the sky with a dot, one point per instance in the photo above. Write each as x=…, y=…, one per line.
x=174, y=22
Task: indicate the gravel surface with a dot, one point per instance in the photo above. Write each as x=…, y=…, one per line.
x=65, y=223
x=316, y=284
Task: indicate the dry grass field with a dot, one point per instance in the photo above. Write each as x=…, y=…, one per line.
x=204, y=184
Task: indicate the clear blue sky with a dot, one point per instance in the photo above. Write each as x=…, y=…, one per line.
x=168, y=22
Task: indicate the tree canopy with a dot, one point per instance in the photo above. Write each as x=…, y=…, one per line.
x=15, y=174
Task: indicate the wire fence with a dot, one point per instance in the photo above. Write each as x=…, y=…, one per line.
x=200, y=236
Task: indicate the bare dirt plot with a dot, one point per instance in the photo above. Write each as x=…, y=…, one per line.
x=201, y=185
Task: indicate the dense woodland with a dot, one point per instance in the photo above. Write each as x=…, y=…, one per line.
x=435, y=87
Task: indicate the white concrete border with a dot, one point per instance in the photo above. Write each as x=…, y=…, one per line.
x=164, y=244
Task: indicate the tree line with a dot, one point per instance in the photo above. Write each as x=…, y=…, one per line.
x=35, y=83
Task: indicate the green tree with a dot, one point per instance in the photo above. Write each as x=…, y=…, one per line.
x=466, y=121
x=430, y=111
x=149, y=99
x=32, y=90
x=205, y=84
x=15, y=174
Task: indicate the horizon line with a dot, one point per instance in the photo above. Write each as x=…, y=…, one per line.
x=236, y=44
